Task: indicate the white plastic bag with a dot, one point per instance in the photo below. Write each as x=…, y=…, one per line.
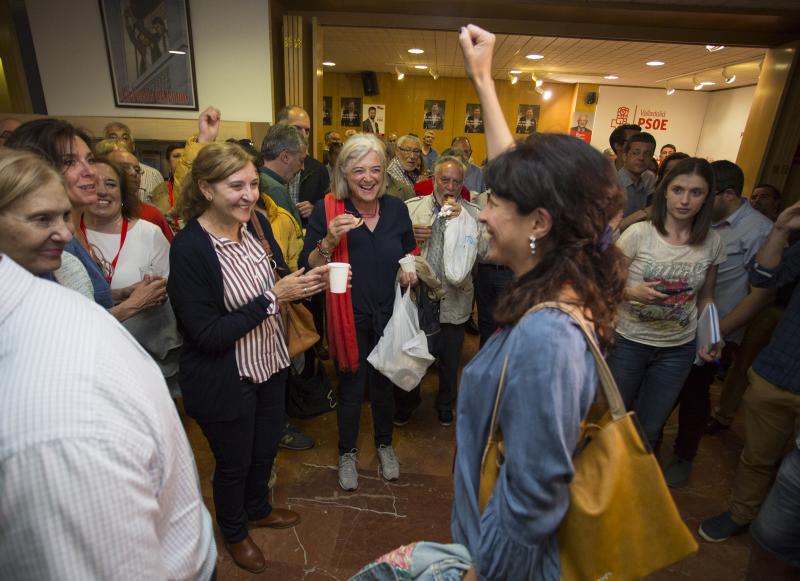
x=402, y=352
x=460, y=247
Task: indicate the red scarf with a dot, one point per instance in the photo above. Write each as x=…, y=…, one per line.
x=342, y=342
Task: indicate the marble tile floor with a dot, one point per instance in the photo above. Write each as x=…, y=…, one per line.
x=342, y=531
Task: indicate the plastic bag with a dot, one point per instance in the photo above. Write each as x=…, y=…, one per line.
x=402, y=352
x=460, y=247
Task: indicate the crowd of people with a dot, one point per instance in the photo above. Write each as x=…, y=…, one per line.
x=202, y=266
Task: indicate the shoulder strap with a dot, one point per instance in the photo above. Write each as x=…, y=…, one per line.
x=260, y=234
x=609, y=386
x=493, y=423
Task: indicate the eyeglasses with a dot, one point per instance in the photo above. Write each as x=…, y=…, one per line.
x=132, y=169
x=411, y=151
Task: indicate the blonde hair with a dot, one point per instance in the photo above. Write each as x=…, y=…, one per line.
x=214, y=163
x=23, y=172
x=106, y=146
x=353, y=150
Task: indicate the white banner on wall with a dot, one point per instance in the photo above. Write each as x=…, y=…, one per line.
x=676, y=119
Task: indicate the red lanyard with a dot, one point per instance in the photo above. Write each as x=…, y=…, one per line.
x=122, y=237
x=169, y=189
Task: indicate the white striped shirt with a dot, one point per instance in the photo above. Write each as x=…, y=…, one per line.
x=246, y=274
x=97, y=479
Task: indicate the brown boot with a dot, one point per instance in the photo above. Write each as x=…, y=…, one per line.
x=247, y=555
x=279, y=518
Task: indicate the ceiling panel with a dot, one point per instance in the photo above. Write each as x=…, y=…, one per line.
x=566, y=59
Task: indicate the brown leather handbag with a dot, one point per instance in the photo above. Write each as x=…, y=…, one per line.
x=622, y=522
x=298, y=322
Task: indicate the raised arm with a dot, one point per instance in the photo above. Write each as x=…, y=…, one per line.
x=477, y=45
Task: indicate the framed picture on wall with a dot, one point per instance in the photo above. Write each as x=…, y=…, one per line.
x=434, y=114
x=474, y=120
x=527, y=118
x=351, y=112
x=582, y=126
x=327, y=110
x=374, y=116
x=149, y=46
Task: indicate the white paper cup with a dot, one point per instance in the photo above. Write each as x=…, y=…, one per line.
x=408, y=264
x=338, y=276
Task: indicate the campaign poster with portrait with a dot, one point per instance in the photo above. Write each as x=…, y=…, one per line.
x=434, y=114
x=582, y=126
x=473, y=123
x=351, y=112
x=327, y=111
x=374, y=116
x=527, y=118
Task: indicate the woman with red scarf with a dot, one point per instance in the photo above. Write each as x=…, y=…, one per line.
x=357, y=224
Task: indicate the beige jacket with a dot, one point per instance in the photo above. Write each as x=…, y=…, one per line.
x=456, y=305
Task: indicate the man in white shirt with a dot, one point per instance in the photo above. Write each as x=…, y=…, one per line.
x=98, y=479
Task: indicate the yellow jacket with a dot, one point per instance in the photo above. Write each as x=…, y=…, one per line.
x=286, y=230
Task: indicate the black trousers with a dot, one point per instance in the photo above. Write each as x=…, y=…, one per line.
x=450, y=348
x=351, y=395
x=244, y=450
x=490, y=282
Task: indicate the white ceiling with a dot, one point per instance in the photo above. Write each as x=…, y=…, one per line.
x=567, y=60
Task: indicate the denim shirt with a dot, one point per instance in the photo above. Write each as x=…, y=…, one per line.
x=549, y=387
x=102, y=290
x=778, y=362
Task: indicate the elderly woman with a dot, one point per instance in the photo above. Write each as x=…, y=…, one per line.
x=35, y=212
x=358, y=224
x=131, y=250
x=551, y=200
x=226, y=295
x=66, y=149
x=404, y=170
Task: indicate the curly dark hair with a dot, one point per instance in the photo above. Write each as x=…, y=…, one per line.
x=48, y=138
x=578, y=187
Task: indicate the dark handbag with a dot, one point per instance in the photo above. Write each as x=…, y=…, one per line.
x=311, y=394
x=298, y=322
x=428, y=310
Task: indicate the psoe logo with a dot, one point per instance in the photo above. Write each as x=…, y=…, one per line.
x=622, y=116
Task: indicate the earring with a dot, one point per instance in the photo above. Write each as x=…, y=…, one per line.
x=532, y=243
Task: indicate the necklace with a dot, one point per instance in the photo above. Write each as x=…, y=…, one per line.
x=366, y=215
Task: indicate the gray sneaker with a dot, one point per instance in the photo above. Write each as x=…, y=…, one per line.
x=390, y=467
x=348, y=475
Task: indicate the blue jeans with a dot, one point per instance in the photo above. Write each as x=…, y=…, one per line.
x=650, y=380
x=777, y=526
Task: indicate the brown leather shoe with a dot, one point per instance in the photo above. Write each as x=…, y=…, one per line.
x=247, y=555
x=279, y=518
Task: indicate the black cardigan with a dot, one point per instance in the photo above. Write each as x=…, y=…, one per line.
x=209, y=376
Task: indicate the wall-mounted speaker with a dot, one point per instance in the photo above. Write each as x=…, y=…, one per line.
x=370, y=81
x=591, y=98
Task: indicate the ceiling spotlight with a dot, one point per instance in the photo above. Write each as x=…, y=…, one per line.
x=539, y=90
x=515, y=72
x=654, y=63
x=729, y=77
x=433, y=73
x=670, y=90
x=421, y=67
x=416, y=51
x=534, y=57
x=697, y=85
x=328, y=64
x=547, y=94
x=611, y=77
x=514, y=79
x=704, y=83
x=713, y=47
x=400, y=75
x=177, y=52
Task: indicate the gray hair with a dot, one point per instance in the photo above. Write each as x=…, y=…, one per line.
x=408, y=137
x=443, y=159
x=353, y=150
x=282, y=138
